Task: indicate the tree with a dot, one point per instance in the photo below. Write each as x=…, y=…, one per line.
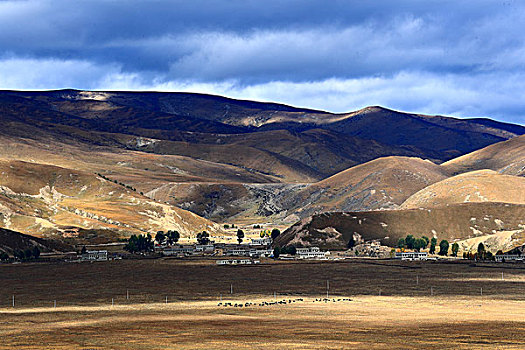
x=419, y=243
x=203, y=238
x=28, y=254
x=172, y=237
x=36, y=252
x=160, y=237
x=481, y=251
x=276, y=252
x=292, y=250
x=443, y=247
x=275, y=234
x=409, y=241
x=140, y=243
x=226, y=226
x=455, y=249
x=433, y=243
x=401, y=243
x=4, y=256
x=240, y=235
x=84, y=250
x=425, y=238
x=18, y=254
x=351, y=242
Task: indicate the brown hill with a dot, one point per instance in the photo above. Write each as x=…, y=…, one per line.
x=47, y=200
x=383, y=183
x=507, y=157
x=453, y=222
x=475, y=186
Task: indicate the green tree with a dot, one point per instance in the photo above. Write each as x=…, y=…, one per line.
x=419, y=244
x=203, y=237
x=140, y=243
x=409, y=241
x=276, y=252
x=425, y=238
x=240, y=235
x=83, y=250
x=160, y=237
x=433, y=243
x=455, y=249
x=172, y=237
x=292, y=250
x=4, y=256
x=481, y=251
x=401, y=243
x=275, y=233
x=443, y=247
x=226, y=226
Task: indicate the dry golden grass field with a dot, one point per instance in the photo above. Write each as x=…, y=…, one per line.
x=404, y=316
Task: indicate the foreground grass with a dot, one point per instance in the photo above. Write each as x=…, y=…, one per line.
x=405, y=316
x=366, y=322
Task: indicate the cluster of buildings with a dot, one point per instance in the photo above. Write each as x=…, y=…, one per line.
x=255, y=249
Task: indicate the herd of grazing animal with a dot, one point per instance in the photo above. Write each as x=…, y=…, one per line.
x=281, y=302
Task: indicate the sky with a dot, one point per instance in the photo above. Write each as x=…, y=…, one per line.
x=458, y=58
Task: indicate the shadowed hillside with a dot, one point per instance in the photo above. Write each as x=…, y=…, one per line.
x=452, y=222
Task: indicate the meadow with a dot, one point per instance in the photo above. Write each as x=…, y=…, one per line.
x=393, y=304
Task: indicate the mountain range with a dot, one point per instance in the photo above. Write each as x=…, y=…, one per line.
x=110, y=164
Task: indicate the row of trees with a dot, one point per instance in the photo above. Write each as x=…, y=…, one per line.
x=412, y=242
x=139, y=243
x=481, y=254
x=417, y=244
x=277, y=251
x=170, y=237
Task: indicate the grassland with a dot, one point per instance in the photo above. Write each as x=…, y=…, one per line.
x=404, y=316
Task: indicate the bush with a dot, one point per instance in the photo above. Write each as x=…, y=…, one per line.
x=275, y=233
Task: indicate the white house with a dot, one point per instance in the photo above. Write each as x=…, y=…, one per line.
x=411, y=255
x=206, y=248
x=239, y=251
x=265, y=241
x=183, y=249
x=265, y=253
x=95, y=255
x=311, y=253
x=237, y=262
x=508, y=257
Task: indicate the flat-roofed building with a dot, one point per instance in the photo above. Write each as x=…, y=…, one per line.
x=411, y=255
x=95, y=255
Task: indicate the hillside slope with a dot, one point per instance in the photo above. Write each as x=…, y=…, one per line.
x=44, y=200
x=507, y=157
x=11, y=241
x=383, y=183
x=475, y=186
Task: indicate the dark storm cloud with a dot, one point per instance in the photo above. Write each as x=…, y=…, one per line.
x=435, y=56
